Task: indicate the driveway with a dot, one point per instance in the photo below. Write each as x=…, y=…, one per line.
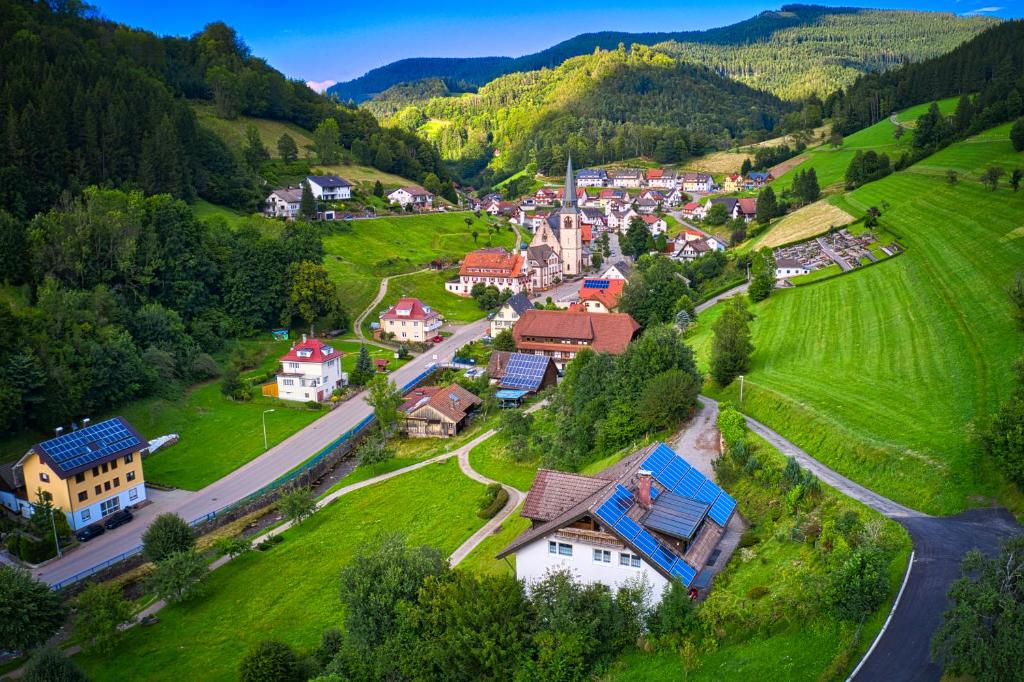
x=252, y=476
x=903, y=652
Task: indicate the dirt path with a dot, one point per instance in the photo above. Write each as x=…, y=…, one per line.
x=382, y=291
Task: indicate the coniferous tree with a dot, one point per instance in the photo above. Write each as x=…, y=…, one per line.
x=254, y=151
x=307, y=204
x=767, y=205
x=287, y=149
x=363, y=370
x=326, y=139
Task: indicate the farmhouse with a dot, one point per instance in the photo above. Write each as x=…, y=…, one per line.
x=509, y=312
x=491, y=267
x=417, y=196
x=789, y=267
x=650, y=515
x=592, y=177
x=311, y=370
x=601, y=295
x=329, y=187
x=411, y=320
x=283, y=203
x=697, y=182
x=88, y=472
x=436, y=412
x=521, y=371
x=562, y=334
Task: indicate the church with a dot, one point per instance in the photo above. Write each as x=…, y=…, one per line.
x=562, y=233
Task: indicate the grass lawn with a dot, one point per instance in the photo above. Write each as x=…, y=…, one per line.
x=354, y=172
x=815, y=275
x=493, y=459
x=384, y=247
x=233, y=132
x=804, y=223
x=881, y=373
x=290, y=592
x=350, y=348
x=428, y=286
x=481, y=559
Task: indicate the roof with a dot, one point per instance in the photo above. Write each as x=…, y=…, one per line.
x=492, y=263
x=591, y=173
x=526, y=371
x=696, y=177
x=697, y=245
x=519, y=303
x=609, y=333
x=655, y=173
x=758, y=175
x=290, y=195
x=498, y=362
x=728, y=202
x=586, y=233
x=410, y=309
x=650, y=219
x=78, y=450
x=327, y=181
x=414, y=191
x=452, y=401
x=311, y=350
x=748, y=205
x=789, y=263
x=417, y=396
x=622, y=266
x=611, y=193
x=554, y=492
x=509, y=394
x=675, y=515
x=540, y=253
x=605, y=291
x=693, y=205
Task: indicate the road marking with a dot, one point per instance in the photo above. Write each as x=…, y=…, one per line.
x=885, y=625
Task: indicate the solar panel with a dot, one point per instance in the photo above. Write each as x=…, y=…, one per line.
x=628, y=527
x=690, y=483
x=708, y=492
x=659, y=459
x=673, y=473
x=645, y=542
x=524, y=371
x=595, y=284
x=609, y=512
x=676, y=516
x=91, y=443
x=721, y=509
x=684, y=571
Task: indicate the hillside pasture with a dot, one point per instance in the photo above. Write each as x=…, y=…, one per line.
x=804, y=223
x=233, y=131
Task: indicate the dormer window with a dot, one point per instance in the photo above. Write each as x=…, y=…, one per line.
x=328, y=350
x=305, y=352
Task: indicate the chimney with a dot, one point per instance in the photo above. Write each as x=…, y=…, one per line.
x=59, y=430
x=86, y=421
x=74, y=426
x=644, y=489
x=303, y=338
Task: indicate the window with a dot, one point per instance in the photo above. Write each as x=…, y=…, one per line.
x=95, y=471
x=44, y=477
x=129, y=458
x=133, y=494
x=289, y=382
x=110, y=506
x=103, y=467
x=113, y=464
x=106, y=485
x=79, y=478
x=130, y=476
x=564, y=549
x=98, y=490
x=86, y=514
x=293, y=365
x=83, y=496
x=552, y=547
x=117, y=481
x=602, y=556
x=629, y=560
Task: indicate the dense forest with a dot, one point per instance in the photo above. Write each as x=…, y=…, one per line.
x=760, y=29
x=990, y=65
x=85, y=101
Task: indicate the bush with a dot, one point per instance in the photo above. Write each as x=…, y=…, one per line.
x=179, y=576
x=732, y=424
x=99, y=611
x=858, y=586
x=169, y=533
x=757, y=592
x=749, y=539
x=51, y=665
x=269, y=542
x=271, y=661
x=314, y=405
x=493, y=501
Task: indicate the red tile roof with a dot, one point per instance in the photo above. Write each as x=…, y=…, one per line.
x=655, y=173
x=441, y=399
x=586, y=232
x=546, y=330
x=650, y=219
x=491, y=263
x=410, y=309
x=608, y=296
x=554, y=492
x=693, y=205
x=748, y=206
x=312, y=350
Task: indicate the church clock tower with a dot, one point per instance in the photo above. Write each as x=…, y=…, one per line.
x=570, y=235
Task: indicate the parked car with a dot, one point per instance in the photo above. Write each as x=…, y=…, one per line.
x=118, y=518
x=89, y=532
x=437, y=339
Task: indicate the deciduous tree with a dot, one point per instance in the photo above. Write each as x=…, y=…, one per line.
x=297, y=503
x=991, y=176
x=731, y=346
x=179, y=576
x=30, y=612
x=385, y=399
x=50, y=664
x=271, y=661
x=169, y=533
x=99, y=611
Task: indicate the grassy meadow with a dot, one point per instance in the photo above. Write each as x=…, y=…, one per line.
x=804, y=223
x=290, y=592
x=428, y=286
x=882, y=373
x=233, y=131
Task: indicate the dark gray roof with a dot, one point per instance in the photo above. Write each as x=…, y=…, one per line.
x=789, y=263
x=728, y=202
x=675, y=515
x=79, y=450
x=519, y=303
x=329, y=181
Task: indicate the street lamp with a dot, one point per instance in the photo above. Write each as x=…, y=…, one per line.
x=741, y=388
x=56, y=541
x=265, y=446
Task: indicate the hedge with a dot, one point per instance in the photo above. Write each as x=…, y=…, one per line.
x=493, y=501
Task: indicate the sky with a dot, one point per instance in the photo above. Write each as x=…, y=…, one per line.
x=340, y=41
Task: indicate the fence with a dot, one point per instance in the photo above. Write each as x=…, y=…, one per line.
x=270, y=487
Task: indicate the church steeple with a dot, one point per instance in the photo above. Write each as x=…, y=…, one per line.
x=569, y=197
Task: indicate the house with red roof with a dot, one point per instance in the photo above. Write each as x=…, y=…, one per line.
x=655, y=224
x=601, y=295
x=747, y=208
x=695, y=209
x=561, y=334
x=310, y=370
x=491, y=267
x=411, y=320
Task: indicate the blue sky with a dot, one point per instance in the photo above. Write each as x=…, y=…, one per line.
x=345, y=40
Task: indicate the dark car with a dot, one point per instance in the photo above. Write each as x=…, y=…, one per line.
x=89, y=532
x=118, y=518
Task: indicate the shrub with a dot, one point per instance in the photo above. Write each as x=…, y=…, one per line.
x=269, y=542
x=233, y=547
x=179, y=576
x=51, y=665
x=757, y=592
x=314, y=405
x=169, y=533
x=858, y=586
x=271, y=661
x=732, y=424
x=493, y=501
x=674, y=615
x=749, y=539
x=99, y=611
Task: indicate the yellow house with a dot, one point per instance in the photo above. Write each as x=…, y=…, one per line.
x=732, y=182
x=89, y=472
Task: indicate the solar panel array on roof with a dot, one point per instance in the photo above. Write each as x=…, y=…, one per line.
x=614, y=513
x=595, y=284
x=675, y=474
x=89, y=444
x=525, y=371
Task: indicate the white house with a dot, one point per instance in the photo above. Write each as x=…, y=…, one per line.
x=411, y=320
x=620, y=270
x=417, y=196
x=311, y=370
x=715, y=243
x=655, y=224
x=789, y=267
x=697, y=182
x=651, y=516
x=329, y=187
x=509, y=312
x=592, y=177
x=283, y=203
x=628, y=177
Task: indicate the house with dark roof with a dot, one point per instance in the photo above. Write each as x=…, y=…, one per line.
x=87, y=471
x=697, y=182
x=731, y=205
x=329, y=187
x=650, y=515
x=310, y=370
x=283, y=203
x=618, y=270
x=562, y=334
x=521, y=371
x=544, y=265
x=789, y=267
x=436, y=411
x=509, y=313
x=592, y=177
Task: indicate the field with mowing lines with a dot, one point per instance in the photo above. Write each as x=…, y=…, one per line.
x=804, y=223
x=881, y=373
x=383, y=247
x=290, y=592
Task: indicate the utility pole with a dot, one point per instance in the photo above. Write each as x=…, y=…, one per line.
x=741, y=388
x=56, y=540
x=265, y=445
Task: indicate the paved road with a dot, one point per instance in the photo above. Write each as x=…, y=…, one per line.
x=831, y=253
x=903, y=652
x=738, y=289
x=261, y=471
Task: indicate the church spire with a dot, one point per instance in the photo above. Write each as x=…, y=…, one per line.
x=569, y=197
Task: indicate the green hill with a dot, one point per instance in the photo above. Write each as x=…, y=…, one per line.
x=232, y=131
x=881, y=373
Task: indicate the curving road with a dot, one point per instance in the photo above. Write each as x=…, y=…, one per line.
x=903, y=652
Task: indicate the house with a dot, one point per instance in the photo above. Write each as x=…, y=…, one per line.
x=283, y=203
x=651, y=516
x=695, y=209
x=329, y=187
x=731, y=205
x=676, y=197
x=417, y=196
x=733, y=182
x=756, y=179
x=620, y=270
x=628, y=177
x=310, y=370
x=658, y=177
x=493, y=266
x=746, y=208
x=715, y=244
x=562, y=334
x=581, y=195
x=691, y=250
x=545, y=267
x=508, y=314
x=606, y=196
x=698, y=182
x=594, y=216
x=88, y=472
x=522, y=371
x=647, y=205
x=789, y=267
x=545, y=196
x=411, y=320
x=592, y=177
x=620, y=220
x=436, y=412
x=655, y=224
x=601, y=295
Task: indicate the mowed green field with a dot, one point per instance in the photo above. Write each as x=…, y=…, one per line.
x=233, y=131
x=290, y=592
x=383, y=247
x=881, y=373
x=428, y=286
